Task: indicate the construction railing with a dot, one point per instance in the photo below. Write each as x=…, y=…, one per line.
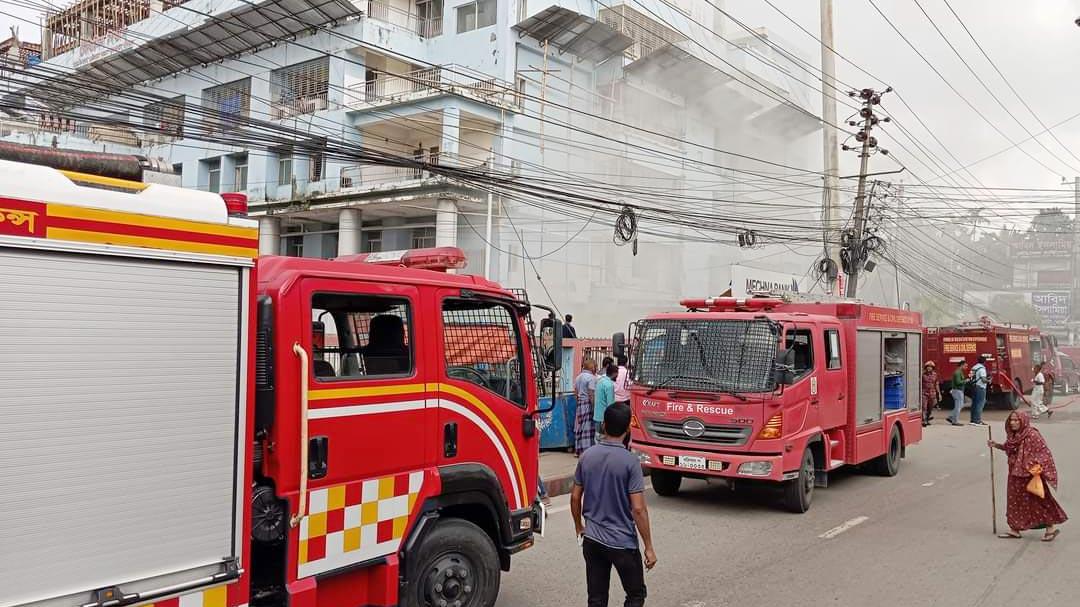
x=390, y=87
x=410, y=19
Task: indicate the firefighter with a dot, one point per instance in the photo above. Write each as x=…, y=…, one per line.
x=931, y=391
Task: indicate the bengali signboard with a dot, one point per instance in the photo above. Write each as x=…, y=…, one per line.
x=1054, y=306
x=1043, y=246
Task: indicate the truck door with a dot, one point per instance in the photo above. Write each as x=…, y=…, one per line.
x=483, y=395
x=833, y=387
x=369, y=427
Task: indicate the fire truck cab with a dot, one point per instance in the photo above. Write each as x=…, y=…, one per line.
x=187, y=424
x=767, y=390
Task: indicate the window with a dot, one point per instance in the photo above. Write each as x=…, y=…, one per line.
x=475, y=15
x=482, y=346
x=240, y=173
x=373, y=241
x=429, y=17
x=802, y=343
x=358, y=336
x=166, y=117
x=422, y=238
x=285, y=169
x=520, y=84
x=214, y=175
x=832, y=348
x=227, y=105
x=316, y=166
x=300, y=89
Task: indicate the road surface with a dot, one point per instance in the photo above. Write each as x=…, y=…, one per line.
x=921, y=538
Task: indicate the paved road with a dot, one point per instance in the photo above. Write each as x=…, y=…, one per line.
x=921, y=538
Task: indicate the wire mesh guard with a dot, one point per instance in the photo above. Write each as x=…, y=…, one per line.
x=706, y=355
x=359, y=336
x=482, y=346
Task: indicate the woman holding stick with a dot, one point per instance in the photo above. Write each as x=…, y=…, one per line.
x=1029, y=457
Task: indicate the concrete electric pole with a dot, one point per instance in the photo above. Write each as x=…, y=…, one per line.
x=830, y=202
x=856, y=253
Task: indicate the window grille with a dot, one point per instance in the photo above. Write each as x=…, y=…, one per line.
x=227, y=106
x=358, y=336
x=706, y=355
x=214, y=175
x=167, y=117
x=240, y=175
x=285, y=169
x=300, y=89
x=482, y=345
x=422, y=238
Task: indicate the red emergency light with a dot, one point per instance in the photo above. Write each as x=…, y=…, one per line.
x=236, y=203
x=439, y=259
x=732, y=304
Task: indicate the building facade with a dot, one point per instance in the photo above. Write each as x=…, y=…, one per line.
x=645, y=102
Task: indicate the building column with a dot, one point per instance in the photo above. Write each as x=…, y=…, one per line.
x=269, y=235
x=446, y=223
x=349, y=222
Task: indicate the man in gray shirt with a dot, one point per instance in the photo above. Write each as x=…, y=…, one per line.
x=609, y=481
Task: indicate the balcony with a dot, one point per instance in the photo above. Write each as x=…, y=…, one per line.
x=389, y=88
x=307, y=104
x=405, y=15
x=371, y=177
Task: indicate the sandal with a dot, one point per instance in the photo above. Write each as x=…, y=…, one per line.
x=1049, y=537
x=1010, y=536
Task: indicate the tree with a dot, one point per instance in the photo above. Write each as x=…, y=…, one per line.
x=936, y=312
x=1013, y=308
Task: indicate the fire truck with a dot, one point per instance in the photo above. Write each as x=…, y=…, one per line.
x=1012, y=351
x=773, y=391
x=187, y=424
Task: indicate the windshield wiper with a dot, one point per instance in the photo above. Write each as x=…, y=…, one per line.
x=736, y=395
x=667, y=380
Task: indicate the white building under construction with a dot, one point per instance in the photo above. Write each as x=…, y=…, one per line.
x=663, y=103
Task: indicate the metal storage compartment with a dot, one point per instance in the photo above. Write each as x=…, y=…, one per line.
x=119, y=405
x=868, y=378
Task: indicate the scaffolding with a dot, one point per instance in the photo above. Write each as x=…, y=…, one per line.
x=88, y=21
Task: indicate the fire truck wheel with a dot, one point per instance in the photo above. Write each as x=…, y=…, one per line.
x=456, y=566
x=665, y=482
x=798, y=493
x=889, y=464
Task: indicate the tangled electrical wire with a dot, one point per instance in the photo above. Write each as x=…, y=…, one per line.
x=626, y=228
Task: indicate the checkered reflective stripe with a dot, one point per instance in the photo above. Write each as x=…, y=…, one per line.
x=217, y=596
x=355, y=522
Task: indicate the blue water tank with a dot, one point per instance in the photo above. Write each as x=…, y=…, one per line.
x=894, y=392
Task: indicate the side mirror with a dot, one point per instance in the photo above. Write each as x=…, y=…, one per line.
x=556, y=344
x=618, y=344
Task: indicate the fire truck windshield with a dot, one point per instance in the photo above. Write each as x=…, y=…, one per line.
x=727, y=356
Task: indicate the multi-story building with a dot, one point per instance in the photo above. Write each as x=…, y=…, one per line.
x=640, y=101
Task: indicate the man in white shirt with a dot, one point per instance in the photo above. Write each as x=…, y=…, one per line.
x=980, y=380
x=622, y=383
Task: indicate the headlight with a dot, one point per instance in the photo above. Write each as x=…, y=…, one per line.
x=642, y=456
x=755, y=469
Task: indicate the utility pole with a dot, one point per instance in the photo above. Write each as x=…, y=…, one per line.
x=490, y=209
x=829, y=212
x=1073, y=297
x=857, y=253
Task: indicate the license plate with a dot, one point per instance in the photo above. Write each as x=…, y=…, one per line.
x=692, y=462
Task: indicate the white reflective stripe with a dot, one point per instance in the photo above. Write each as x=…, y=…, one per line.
x=412, y=405
x=353, y=410
x=469, y=415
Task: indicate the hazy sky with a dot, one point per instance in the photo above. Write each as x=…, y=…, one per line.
x=1035, y=43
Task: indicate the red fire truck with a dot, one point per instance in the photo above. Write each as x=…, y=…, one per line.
x=772, y=390
x=187, y=425
x=1012, y=351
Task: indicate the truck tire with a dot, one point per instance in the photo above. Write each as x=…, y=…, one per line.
x=799, y=493
x=889, y=463
x=665, y=482
x=455, y=564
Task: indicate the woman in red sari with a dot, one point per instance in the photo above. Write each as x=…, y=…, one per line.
x=1027, y=451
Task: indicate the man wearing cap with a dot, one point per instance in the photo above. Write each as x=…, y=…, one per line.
x=980, y=379
x=931, y=391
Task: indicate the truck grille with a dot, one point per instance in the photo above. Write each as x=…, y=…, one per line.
x=717, y=435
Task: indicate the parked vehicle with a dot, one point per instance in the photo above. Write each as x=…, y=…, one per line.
x=1067, y=380
x=1012, y=351
x=768, y=390
x=190, y=425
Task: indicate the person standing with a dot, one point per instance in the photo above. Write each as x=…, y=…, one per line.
x=608, y=506
x=931, y=391
x=1029, y=456
x=622, y=382
x=605, y=395
x=959, y=380
x=568, y=330
x=584, y=389
x=1038, y=394
x=980, y=379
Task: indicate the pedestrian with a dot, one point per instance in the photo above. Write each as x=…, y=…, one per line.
x=622, y=382
x=568, y=330
x=1048, y=389
x=608, y=506
x=584, y=389
x=605, y=395
x=959, y=380
x=1038, y=394
x=1029, y=456
x=931, y=391
x=979, y=381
